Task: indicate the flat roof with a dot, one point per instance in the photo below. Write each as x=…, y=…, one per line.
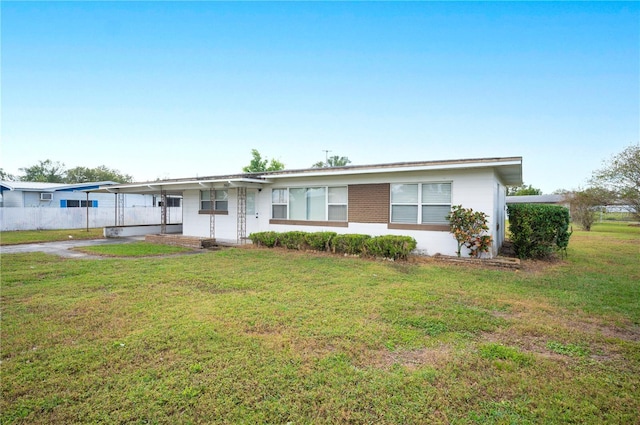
x=52, y=187
x=509, y=169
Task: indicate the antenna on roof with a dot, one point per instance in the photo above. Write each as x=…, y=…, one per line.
x=326, y=157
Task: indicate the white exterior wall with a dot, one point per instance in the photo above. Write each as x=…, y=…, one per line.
x=12, y=199
x=498, y=226
x=195, y=224
x=469, y=188
x=19, y=198
x=76, y=218
x=473, y=188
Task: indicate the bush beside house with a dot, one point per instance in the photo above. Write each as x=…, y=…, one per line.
x=387, y=246
x=537, y=230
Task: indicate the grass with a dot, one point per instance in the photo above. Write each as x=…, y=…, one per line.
x=36, y=236
x=271, y=336
x=134, y=249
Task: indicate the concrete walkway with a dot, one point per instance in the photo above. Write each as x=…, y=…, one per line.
x=63, y=248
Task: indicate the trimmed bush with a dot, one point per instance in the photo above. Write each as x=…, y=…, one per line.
x=351, y=244
x=293, y=240
x=537, y=231
x=390, y=246
x=268, y=239
x=320, y=241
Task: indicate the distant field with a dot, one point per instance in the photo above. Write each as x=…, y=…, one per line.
x=273, y=336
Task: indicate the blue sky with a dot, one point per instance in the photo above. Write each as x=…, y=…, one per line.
x=179, y=89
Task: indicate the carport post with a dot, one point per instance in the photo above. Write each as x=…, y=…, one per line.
x=87, y=206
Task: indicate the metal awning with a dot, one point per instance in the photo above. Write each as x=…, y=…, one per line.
x=176, y=187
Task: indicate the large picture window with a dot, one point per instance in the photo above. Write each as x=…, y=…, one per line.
x=310, y=203
x=218, y=203
x=420, y=203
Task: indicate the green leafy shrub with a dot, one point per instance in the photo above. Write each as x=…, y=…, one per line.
x=320, y=241
x=352, y=244
x=469, y=228
x=268, y=239
x=293, y=240
x=390, y=246
x=537, y=231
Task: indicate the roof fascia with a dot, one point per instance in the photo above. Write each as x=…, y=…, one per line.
x=409, y=168
x=186, y=184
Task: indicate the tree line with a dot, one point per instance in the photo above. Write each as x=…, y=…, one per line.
x=48, y=171
x=258, y=164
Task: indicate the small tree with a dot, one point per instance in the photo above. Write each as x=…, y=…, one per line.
x=6, y=176
x=523, y=190
x=586, y=203
x=333, y=161
x=469, y=228
x=621, y=175
x=100, y=173
x=45, y=171
x=258, y=165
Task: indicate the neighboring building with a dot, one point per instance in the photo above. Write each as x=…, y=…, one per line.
x=537, y=199
x=33, y=205
x=21, y=194
x=410, y=198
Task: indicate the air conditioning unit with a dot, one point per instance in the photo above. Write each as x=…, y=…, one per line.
x=46, y=196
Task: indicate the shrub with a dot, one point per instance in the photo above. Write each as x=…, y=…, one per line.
x=352, y=244
x=469, y=228
x=390, y=246
x=320, y=241
x=538, y=230
x=268, y=239
x=293, y=240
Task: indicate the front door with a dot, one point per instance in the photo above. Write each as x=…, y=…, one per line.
x=252, y=211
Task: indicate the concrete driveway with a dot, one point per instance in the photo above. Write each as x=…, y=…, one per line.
x=63, y=248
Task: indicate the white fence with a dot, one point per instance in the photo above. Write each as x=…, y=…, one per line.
x=76, y=218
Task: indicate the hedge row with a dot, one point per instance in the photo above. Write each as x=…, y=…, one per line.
x=538, y=230
x=388, y=246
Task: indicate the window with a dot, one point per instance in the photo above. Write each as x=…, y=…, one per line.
x=420, y=203
x=173, y=201
x=74, y=203
x=337, y=204
x=310, y=203
x=279, y=201
x=220, y=200
x=251, y=202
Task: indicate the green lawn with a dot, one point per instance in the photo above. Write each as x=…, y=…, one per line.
x=134, y=249
x=36, y=236
x=272, y=336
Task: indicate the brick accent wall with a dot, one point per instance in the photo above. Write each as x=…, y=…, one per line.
x=369, y=203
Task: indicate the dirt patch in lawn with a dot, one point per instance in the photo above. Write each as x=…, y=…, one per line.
x=411, y=359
